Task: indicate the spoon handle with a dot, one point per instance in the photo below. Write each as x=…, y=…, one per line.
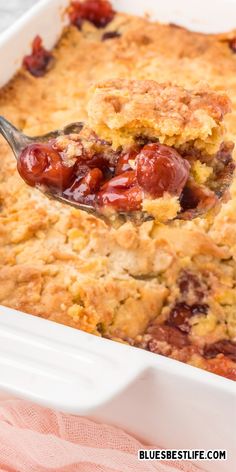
x=18, y=140
x=15, y=138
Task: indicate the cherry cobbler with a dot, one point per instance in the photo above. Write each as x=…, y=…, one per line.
x=158, y=137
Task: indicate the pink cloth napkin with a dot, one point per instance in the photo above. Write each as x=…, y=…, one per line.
x=36, y=439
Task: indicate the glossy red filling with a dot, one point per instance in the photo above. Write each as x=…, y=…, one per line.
x=38, y=62
x=232, y=44
x=120, y=182
x=218, y=358
x=97, y=12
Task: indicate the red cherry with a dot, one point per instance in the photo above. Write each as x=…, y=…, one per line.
x=38, y=61
x=121, y=200
x=122, y=193
x=161, y=169
x=98, y=12
x=182, y=312
x=41, y=164
x=168, y=334
x=93, y=180
x=85, y=187
x=123, y=161
x=122, y=181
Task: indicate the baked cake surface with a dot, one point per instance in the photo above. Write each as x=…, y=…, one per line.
x=121, y=109
x=169, y=289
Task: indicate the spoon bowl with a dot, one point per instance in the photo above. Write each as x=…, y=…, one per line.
x=18, y=141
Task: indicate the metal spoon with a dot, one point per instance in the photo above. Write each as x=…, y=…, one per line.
x=18, y=141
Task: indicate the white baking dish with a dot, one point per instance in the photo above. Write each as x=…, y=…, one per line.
x=159, y=400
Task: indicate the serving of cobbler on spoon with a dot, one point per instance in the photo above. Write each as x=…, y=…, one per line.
x=147, y=151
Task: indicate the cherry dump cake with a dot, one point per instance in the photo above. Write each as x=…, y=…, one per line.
x=168, y=288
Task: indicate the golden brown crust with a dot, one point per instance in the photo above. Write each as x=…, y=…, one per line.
x=121, y=110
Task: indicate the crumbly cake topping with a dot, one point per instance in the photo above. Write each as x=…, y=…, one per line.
x=63, y=265
x=121, y=110
x=163, y=209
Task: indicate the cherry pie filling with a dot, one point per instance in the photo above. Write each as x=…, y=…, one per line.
x=40, y=60
x=97, y=12
x=173, y=337
x=120, y=180
x=173, y=341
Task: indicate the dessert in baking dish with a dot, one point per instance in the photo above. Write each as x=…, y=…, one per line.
x=157, y=151
x=166, y=288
